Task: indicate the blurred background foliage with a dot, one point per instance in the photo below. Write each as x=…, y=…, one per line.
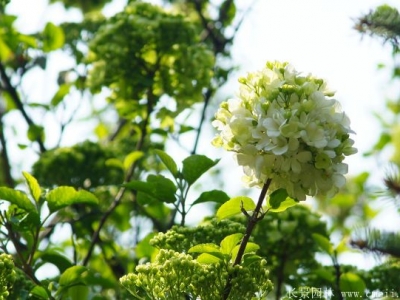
x=154, y=68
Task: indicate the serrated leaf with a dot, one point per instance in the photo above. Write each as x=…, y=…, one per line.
x=64, y=196
x=58, y=97
x=207, y=258
x=230, y=242
x=351, y=282
x=53, y=37
x=234, y=206
x=18, y=198
x=196, y=165
x=168, y=162
x=33, y=186
x=324, y=243
x=131, y=158
x=212, y=196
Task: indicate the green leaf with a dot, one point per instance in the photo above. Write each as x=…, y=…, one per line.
x=209, y=248
x=33, y=185
x=234, y=206
x=114, y=163
x=64, y=196
x=55, y=258
x=206, y=258
x=73, y=276
x=323, y=243
x=131, y=158
x=250, y=247
x=144, y=248
x=185, y=128
x=163, y=188
x=158, y=211
x=157, y=186
x=39, y=292
x=53, y=37
x=230, y=242
x=289, y=202
x=350, y=284
x=204, y=248
x=384, y=139
x=227, y=12
x=18, y=198
x=29, y=40
x=168, y=162
x=250, y=258
x=325, y=274
x=146, y=199
x=39, y=105
x=5, y=51
x=196, y=165
x=342, y=246
x=78, y=292
x=140, y=186
x=35, y=132
x=276, y=198
x=63, y=90
x=212, y=196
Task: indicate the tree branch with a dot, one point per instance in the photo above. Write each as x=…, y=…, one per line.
x=256, y=216
x=121, y=192
x=5, y=160
x=18, y=103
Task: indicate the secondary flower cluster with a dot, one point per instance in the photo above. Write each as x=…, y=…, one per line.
x=7, y=275
x=285, y=126
x=181, y=239
x=175, y=275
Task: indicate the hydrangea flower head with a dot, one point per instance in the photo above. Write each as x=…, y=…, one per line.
x=287, y=127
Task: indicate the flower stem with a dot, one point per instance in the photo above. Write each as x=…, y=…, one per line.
x=256, y=216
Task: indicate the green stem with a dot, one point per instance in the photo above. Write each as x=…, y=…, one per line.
x=256, y=216
x=336, y=265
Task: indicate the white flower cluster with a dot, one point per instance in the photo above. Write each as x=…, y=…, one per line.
x=285, y=126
